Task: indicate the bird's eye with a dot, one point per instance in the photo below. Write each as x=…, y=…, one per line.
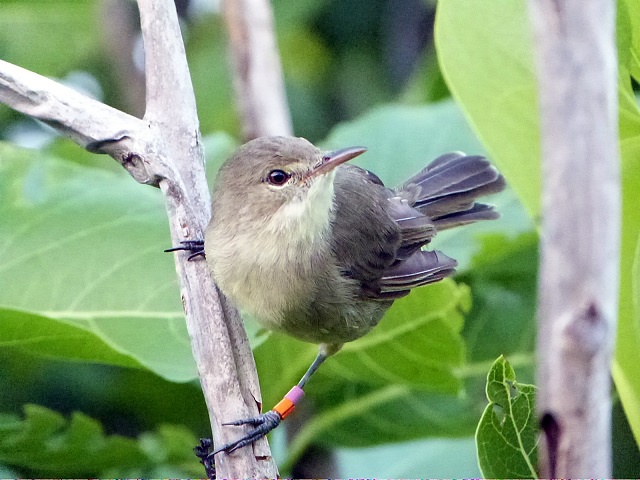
x=278, y=177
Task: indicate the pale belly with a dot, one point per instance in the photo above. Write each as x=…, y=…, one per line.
x=307, y=299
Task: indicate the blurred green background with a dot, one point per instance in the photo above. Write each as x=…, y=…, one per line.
x=96, y=377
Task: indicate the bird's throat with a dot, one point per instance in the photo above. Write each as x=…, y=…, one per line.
x=307, y=217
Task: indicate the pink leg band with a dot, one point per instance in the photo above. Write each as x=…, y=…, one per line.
x=295, y=394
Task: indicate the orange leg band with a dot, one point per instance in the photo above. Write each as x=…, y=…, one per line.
x=284, y=407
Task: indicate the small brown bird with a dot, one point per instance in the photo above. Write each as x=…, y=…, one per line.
x=319, y=250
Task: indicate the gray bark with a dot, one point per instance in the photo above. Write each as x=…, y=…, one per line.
x=578, y=279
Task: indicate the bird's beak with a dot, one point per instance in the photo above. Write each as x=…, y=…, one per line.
x=331, y=160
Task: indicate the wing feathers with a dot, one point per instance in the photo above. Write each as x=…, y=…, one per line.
x=396, y=224
x=421, y=268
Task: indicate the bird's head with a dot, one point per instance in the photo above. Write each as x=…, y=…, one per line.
x=279, y=179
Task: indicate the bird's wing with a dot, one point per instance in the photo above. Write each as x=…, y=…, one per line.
x=377, y=237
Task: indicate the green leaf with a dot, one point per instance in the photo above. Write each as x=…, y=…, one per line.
x=47, y=444
x=625, y=366
x=83, y=248
x=507, y=433
x=417, y=344
x=50, y=337
x=432, y=458
x=628, y=46
x=503, y=280
x=632, y=11
x=486, y=57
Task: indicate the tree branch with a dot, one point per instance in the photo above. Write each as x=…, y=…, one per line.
x=221, y=348
x=164, y=150
x=578, y=286
x=89, y=123
x=257, y=72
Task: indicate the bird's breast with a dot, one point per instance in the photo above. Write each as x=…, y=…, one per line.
x=269, y=272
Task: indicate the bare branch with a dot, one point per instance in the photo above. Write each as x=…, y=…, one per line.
x=257, y=71
x=171, y=103
x=91, y=124
x=578, y=292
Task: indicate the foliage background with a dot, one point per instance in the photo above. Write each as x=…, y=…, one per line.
x=97, y=377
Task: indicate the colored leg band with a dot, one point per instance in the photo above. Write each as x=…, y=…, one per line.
x=288, y=403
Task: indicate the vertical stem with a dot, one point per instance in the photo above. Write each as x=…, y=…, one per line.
x=578, y=284
x=219, y=343
x=257, y=71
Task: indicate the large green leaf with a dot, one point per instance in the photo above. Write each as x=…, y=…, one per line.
x=55, y=338
x=625, y=367
x=503, y=281
x=84, y=274
x=486, y=56
x=632, y=11
x=431, y=458
x=489, y=67
x=507, y=433
x=81, y=247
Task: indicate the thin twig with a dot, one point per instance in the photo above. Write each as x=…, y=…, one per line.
x=578, y=287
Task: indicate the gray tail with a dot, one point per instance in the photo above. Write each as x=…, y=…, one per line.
x=447, y=189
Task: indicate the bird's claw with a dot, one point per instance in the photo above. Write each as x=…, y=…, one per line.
x=194, y=247
x=262, y=424
x=202, y=452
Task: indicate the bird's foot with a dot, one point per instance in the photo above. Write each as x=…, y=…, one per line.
x=263, y=424
x=194, y=247
x=202, y=452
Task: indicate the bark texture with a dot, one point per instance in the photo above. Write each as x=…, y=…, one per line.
x=578, y=282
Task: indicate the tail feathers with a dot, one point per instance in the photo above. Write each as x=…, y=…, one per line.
x=447, y=188
x=479, y=211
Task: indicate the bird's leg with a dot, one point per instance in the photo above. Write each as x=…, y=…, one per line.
x=194, y=247
x=265, y=422
x=320, y=358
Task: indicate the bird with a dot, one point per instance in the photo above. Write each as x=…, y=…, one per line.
x=320, y=249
